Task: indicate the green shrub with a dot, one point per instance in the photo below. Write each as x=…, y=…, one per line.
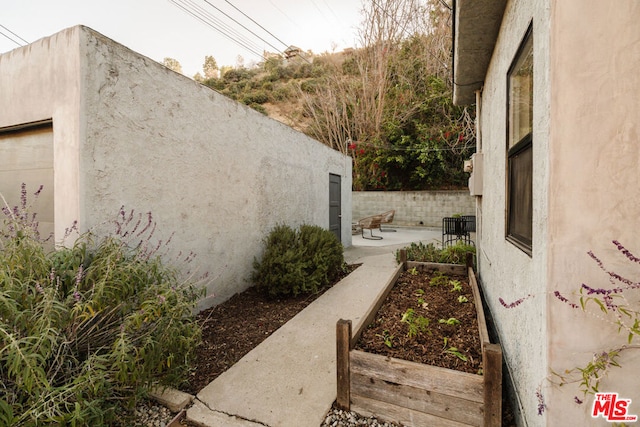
x=86, y=330
x=255, y=97
x=298, y=261
x=452, y=254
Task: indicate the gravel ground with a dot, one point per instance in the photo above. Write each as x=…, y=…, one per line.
x=151, y=414
x=340, y=418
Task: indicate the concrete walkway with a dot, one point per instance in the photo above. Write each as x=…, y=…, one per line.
x=290, y=379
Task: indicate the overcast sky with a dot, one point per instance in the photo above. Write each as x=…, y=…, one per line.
x=162, y=28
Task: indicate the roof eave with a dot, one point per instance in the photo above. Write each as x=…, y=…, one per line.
x=476, y=27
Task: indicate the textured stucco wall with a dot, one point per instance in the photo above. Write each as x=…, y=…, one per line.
x=213, y=172
x=36, y=85
x=423, y=208
x=594, y=158
x=586, y=155
x=506, y=271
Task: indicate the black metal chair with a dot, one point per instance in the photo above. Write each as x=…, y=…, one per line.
x=469, y=223
x=455, y=229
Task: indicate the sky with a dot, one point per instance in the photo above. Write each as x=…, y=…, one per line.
x=167, y=28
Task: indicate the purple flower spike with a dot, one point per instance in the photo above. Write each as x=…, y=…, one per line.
x=565, y=300
x=541, y=405
x=514, y=303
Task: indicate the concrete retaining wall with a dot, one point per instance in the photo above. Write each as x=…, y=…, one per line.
x=426, y=208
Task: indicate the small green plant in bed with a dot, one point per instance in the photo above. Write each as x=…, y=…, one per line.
x=453, y=350
x=298, y=261
x=416, y=324
x=452, y=254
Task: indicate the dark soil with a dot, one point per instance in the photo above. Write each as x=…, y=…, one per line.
x=232, y=329
x=451, y=339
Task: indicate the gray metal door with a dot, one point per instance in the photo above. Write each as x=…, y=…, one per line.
x=335, y=208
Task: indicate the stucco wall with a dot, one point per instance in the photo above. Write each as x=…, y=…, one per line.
x=37, y=85
x=585, y=194
x=505, y=270
x=423, y=208
x=594, y=156
x=213, y=172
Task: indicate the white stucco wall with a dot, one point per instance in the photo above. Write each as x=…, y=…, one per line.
x=585, y=194
x=506, y=271
x=214, y=172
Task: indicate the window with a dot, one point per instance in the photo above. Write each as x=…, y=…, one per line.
x=520, y=147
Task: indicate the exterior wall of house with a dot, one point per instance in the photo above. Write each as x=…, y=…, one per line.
x=214, y=173
x=594, y=198
x=506, y=271
x=422, y=208
x=586, y=153
x=36, y=85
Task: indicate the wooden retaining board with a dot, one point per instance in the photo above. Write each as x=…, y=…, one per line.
x=417, y=387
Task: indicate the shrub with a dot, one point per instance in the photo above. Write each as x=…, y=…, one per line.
x=255, y=97
x=453, y=254
x=86, y=330
x=298, y=261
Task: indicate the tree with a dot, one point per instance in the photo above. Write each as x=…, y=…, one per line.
x=389, y=106
x=210, y=67
x=172, y=64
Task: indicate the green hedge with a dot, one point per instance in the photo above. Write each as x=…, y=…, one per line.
x=298, y=261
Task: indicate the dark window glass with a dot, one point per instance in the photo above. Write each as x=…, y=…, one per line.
x=520, y=148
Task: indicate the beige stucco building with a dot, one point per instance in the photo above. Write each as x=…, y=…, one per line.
x=555, y=84
x=103, y=127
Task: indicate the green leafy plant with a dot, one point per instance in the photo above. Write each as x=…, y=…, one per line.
x=456, y=286
x=413, y=271
x=452, y=321
x=416, y=324
x=453, y=350
x=462, y=299
x=298, y=261
x=439, y=279
x=452, y=254
x=89, y=328
x=387, y=338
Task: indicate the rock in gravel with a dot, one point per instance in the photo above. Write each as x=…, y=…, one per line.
x=339, y=418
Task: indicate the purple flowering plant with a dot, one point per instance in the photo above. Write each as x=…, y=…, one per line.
x=88, y=326
x=613, y=305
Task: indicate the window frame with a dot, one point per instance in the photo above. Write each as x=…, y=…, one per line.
x=515, y=233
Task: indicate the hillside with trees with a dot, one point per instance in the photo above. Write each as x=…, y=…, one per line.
x=386, y=103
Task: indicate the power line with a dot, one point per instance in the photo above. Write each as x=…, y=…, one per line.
x=234, y=20
x=252, y=20
x=14, y=34
x=214, y=23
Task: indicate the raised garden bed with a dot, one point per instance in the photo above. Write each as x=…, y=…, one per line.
x=418, y=394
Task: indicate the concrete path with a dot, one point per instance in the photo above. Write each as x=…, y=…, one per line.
x=290, y=379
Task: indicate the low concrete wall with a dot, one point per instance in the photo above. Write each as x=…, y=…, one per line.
x=426, y=208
